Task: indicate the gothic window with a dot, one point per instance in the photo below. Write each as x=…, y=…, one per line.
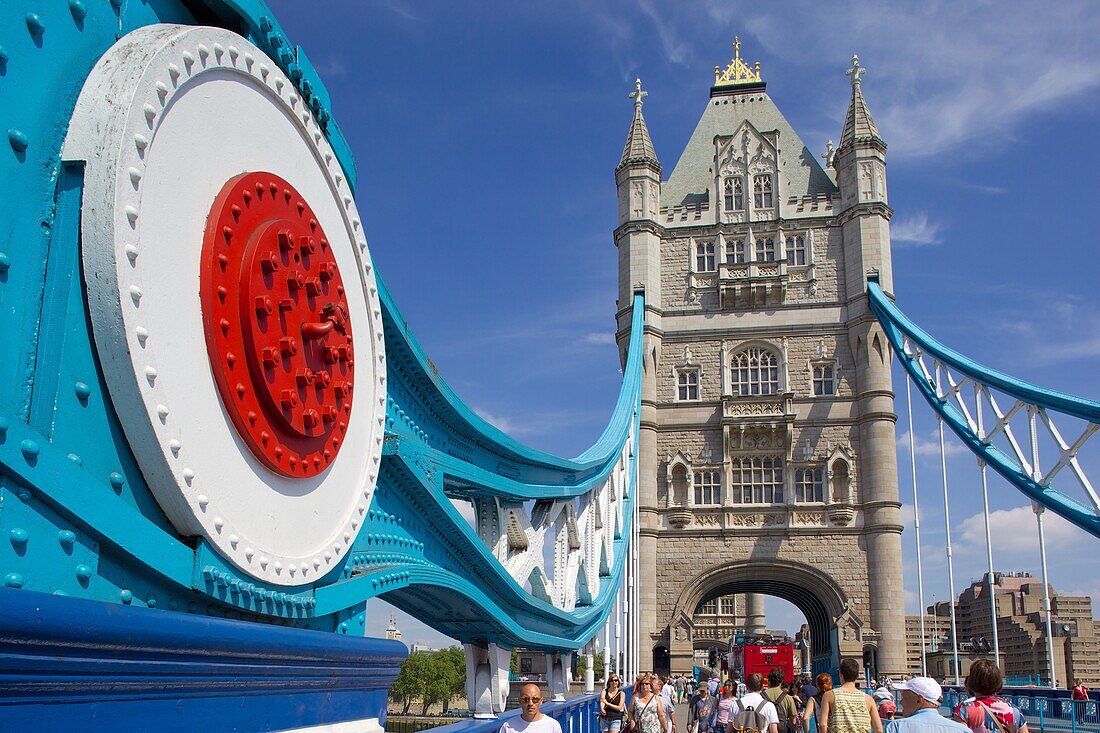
x=754, y=371
x=735, y=251
x=758, y=480
x=707, y=488
x=704, y=257
x=762, y=191
x=765, y=249
x=796, y=250
x=824, y=379
x=728, y=605
x=687, y=385
x=734, y=198
x=809, y=485
x=709, y=608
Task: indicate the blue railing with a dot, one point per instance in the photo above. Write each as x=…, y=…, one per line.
x=1043, y=712
x=575, y=715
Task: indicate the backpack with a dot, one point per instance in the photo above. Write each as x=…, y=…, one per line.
x=747, y=720
x=977, y=713
x=786, y=725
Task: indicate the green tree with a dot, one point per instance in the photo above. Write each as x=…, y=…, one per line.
x=411, y=680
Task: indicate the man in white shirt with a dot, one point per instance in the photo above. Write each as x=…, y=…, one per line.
x=766, y=715
x=668, y=692
x=531, y=719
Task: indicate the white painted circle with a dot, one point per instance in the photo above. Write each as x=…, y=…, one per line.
x=192, y=107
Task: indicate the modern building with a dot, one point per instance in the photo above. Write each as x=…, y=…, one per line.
x=1021, y=628
x=767, y=425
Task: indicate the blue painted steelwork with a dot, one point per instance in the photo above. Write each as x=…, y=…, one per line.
x=85, y=549
x=912, y=345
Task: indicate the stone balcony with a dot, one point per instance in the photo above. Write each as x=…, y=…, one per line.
x=760, y=409
x=752, y=284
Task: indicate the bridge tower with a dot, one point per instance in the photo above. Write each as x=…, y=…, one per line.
x=766, y=451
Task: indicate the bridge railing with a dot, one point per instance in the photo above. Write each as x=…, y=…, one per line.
x=575, y=715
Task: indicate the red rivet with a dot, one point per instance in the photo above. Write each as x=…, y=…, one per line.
x=223, y=261
x=327, y=271
x=303, y=377
x=331, y=355
x=324, y=243
x=269, y=262
x=321, y=379
x=335, y=442
x=328, y=413
x=231, y=359
x=343, y=426
x=274, y=188
x=278, y=453
x=301, y=208
x=222, y=293
x=260, y=190
x=288, y=346
x=264, y=437
x=224, y=324
x=247, y=198
x=293, y=461
x=240, y=389
x=295, y=280
x=309, y=418
x=313, y=287
x=312, y=224
x=305, y=245
x=287, y=194
x=269, y=357
x=288, y=398
x=286, y=304
x=340, y=290
x=263, y=305
x=339, y=389
x=327, y=454
x=236, y=211
x=251, y=418
x=227, y=232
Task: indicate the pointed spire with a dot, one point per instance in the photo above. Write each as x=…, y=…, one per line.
x=639, y=147
x=859, y=126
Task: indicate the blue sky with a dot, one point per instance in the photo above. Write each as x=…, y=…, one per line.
x=486, y=136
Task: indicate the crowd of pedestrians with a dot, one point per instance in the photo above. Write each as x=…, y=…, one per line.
x=809, y=705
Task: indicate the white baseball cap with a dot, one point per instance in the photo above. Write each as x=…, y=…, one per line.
x=925, y=687
x=882, y=693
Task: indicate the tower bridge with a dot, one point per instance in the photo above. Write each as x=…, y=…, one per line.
x=219, y=437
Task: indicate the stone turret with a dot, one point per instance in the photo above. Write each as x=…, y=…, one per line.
x=860, y=163
x=638, y=239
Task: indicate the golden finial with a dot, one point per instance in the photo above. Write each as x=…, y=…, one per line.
x=737, y=72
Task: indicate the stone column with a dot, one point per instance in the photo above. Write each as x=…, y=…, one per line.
x=754, y=613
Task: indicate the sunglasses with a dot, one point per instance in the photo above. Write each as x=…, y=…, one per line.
x=530, y=699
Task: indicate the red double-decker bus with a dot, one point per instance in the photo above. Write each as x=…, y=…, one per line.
x=762, y=654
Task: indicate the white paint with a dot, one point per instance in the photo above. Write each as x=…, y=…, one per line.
x=177, y=126
x=366, y=725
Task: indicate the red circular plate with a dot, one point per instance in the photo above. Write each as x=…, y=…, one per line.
x=277, y=325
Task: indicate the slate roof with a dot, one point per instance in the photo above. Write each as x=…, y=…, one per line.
x=639, y=146
x=858, y=123
x=691, y=179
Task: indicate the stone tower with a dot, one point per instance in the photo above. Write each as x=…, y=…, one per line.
x=766, y=453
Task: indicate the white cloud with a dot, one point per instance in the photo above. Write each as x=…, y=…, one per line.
x=1015, y=531
x=930, y=446
x=466, y=509
x=600, y=338
x=914, y=231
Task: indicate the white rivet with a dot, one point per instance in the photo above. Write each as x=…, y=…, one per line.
x=355, y=524
x=151, y=374
x=328, y=157
x=234, y=540
x=174, y=72
x=305, y=118
x=234, y=52
x=203, y=51
x=347, y=201
x=203, y=501
x=149, y=110
x=131, y=214
x=162, y=411
x=328, y=557
x=316, y=563
x=293, y=100
x=135, y=294
x=317, y=139
x=291, y=569
x=264, y=562
x=188, y=59
x=347, y=538
x=141, y=333
x=218, y=50
x=219, y=523
x=249, y=553
x=188, y=476
x=131, y=253
x=174, y=446
x=278, y=568
x=339, y=178
x=263, y=71
x=140, y=142
x=278, y=84
x=162, y=90
x=355, y=223
x=135, y=176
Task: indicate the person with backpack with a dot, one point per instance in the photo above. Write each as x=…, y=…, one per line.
x=753, y=713
x=847, y=709
x=785, y=706
x=985, y=712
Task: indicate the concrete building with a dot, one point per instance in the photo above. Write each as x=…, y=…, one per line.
x=767, y=426
x=1021, y=626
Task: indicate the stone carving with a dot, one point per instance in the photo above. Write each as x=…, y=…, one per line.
x=758, y=407
x=809, y=518
x=772, y=520
x=707, y=520
x=743, y=520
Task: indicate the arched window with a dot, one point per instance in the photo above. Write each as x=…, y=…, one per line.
x=758, y=480
x=754, y=371
x=762, y=191
x=734, y=198
x=808, y=485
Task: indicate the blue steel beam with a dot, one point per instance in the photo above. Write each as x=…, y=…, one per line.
x=911, y=344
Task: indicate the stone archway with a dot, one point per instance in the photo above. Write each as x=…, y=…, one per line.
x=834, y=628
